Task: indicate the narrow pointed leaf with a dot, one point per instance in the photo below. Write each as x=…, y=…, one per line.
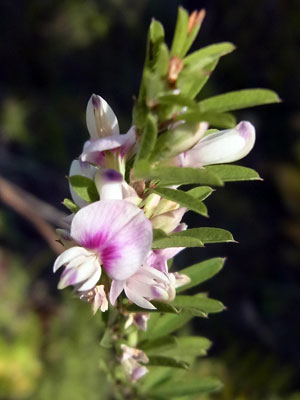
x=180, y=35
x=233, y=173
x=186, y=347
x=218, y=120
x=197, y=305
x=184, y=199
x=162, y=325
x=163, y=361
x=148, y=139
x=238, y=100
x=177, y=176
x=200, y=192
x=201, y=272
x=174, y=389
x=214, y=51
x=161, y=240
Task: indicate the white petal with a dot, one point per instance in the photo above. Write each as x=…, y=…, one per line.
x=68, y=255
x=138, y=300
x=100, y=119
x=222, y=147
x=109, y=184
x=91, y=282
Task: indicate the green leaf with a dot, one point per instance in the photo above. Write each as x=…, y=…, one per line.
x=180, y=35
x=195, y=237
x=162, y=241
x=177, y=176
x=148, y=139
x=201, y=272
x=162, y=63
x=197, y=305
x=162, y=325
x=218, y=120
x=184, y=199
x=177, y=100
x=207, y=235
x=156, y=31
x=199, y=58
x=191, y=81
x=233, y=173
x=160, y=307
x=187, y=347
x=84, y=187
x=186, y=387
x=200, y=192
x=70, y=205
x=238, y=99
x=158, y=344
x=106, y=340
x=167, y=362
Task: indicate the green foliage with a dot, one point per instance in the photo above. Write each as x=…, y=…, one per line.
x=238, y=100
x=186, y=387
x=195, y=237
x=201, y=272
x=71, y=206
x=84, y=187
x=184, y=199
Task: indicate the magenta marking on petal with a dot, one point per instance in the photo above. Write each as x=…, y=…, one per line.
x=112, y=175
x=96, y=101
x=244, y=129
x=110, y=254
x=96, y=241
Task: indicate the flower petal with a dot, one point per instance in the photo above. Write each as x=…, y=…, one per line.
x=68, y=255
x=222, y=147
x=138, y=299
x=118, y=231
x=100, y=118
x=115, y=290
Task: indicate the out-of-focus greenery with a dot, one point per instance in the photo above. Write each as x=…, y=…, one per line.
x=54, y=55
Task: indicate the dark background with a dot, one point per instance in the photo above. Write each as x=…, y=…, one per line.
x=54, y=55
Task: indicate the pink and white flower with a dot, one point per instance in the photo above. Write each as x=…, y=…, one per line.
x=145, y=285
x=114, y=234
x=221, y=147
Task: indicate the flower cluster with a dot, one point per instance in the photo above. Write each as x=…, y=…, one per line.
x=109, y=241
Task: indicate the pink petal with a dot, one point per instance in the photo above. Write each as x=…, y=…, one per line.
x=118, y=231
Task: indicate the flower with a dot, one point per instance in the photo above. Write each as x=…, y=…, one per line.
x=139, y=319
x=145, y=285
x=131, y=361
x=107, y=147
x=220, y=147
x=97, y=298
x=114, y=234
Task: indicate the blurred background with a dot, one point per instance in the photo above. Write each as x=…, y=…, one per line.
x=54, y=55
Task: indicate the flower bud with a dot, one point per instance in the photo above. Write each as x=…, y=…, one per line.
x=100, y=118
x=222, y=147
